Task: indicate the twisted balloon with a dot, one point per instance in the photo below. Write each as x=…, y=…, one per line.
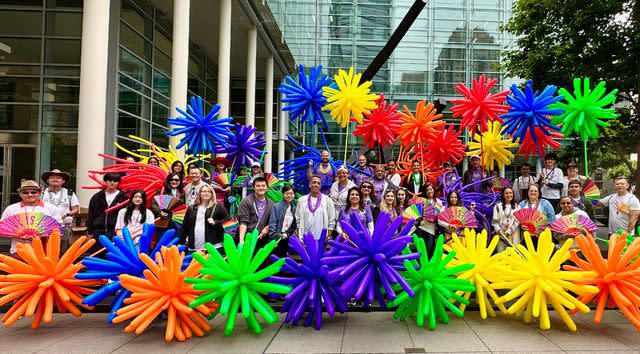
x=350, y=99
x=305, y=97
x=479, y=105
x=243, y=147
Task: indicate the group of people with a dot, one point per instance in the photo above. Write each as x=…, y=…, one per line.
x=333, y=196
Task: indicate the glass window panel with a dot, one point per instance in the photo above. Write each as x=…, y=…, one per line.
x=160, y=114
x=21, y=3
x=135, y=85
x=19, y=70
x=162, y=62
x=137, y=19
x=18, y=117
x=56, y=118
x=62, y=51
x=23, y=50
x=66, y=24
x=61, y=90
x=64, y=4
x=27, y=23
x=62, y=71
x=158, y=136
x=162, y=99
x=162, y=41
x=128, y=125
x=59, y=150
x=134, y=67
x=161, y=83
x=134, y=103
x=135, y=43
x=19, y=89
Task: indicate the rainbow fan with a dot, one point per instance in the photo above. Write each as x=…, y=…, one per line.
x=413, y=212
x=417, y=200
x=573, y=225
x=224, y=179
x=272, y=181
x=28, y=225
x=531, y=220
x=230, y=226
x=591, y=192
x=178, y=214
x=165, y=201
x=459, y=217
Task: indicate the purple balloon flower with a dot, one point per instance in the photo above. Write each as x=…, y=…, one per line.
x=242, y=149
x=484, y=202
x=366, y=263
x=310, y=282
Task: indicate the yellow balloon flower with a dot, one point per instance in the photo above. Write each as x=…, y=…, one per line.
x=492, y=147
x=487, y=267
x=534, y=275
x=350, y=99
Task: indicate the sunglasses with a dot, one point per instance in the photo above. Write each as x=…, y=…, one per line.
x=175, y=180
x=566, y=203
x=30, y=192
x=365, y=187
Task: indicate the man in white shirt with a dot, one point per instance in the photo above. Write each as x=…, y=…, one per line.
x=30, y=192
x=624, y=208
x=521, y=184
x=315, y=211
x=392, y=175
x=64, y=199
x=193, y=187
x=551, y=181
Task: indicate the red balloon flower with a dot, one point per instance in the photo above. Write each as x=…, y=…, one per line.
x=530, y=147
x=479, y=105
x=445, y=147
x=380, y=125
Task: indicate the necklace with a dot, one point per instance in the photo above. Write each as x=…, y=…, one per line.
x=313, y=208
x=324, y=170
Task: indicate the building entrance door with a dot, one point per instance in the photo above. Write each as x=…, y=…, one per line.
x=17, y=161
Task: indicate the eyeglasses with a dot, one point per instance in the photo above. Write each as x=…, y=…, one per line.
x=29, y=192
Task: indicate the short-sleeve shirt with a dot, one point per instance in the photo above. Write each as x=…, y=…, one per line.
x=17, y=208
x=61, y=200
x=619, y=209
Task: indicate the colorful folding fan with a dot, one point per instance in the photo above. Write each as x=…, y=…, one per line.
x=459, y=217
x=178, y=214
x=531, y=220
x=165, y=201
x=417, y=200
x=573, y=225
x=413, y=212
x=230, y=226
x=28, y=225
x=591, y=192
x=224, y=179
x=272, y=181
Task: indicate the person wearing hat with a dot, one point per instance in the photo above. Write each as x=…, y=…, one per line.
x=340, y=189
x=64, y=199
x=256, y=171
x=474, y=174
x=220, y=165
x=551, y=180
x=29, y=192
x=572, y=175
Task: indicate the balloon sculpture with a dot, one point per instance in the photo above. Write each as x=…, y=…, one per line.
x=166, y=157
x=122, y=258
x=536, y=144
x=434, y=289
x=380, y=125
x=236, y=283
x=305, y=97
x=243, y=147
x=368, y=262
x=420, y=127
x=494, y=150
x=311, y=284
x=350, y=99
x=534, y=275
x=616, y=277
x=42, y=278
x=479, y=104
x=163, y=289
x=445, y=146
x=201, y=133
x=486, y=268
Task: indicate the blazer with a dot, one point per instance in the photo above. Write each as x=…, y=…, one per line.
x=408, y=184
x=212, y=233
x=277, y=219
x=100, y=222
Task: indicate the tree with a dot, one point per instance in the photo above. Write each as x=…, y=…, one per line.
x=558, y=40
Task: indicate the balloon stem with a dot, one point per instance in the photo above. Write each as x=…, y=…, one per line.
x=586, y=163
x=346, y=144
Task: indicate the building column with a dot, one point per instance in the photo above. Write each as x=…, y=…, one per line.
x=92, y=114
x=268, y=114
x=180, y=60
x=224, y=57
x=282, y=132
x=250, y=96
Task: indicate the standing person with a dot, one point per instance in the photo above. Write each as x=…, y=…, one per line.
x=315, y=212
x=534, y=201
x=579, y=200
x=255, y=172
x=178, y=167
x=387, y=205
x=324, y=170
x=504, y=223
x=446, y=180
x=254, y=212
x=624, y=207
x=566, y=209
x=572, y=174
x=474, y=174
x=64, y=199
x=425, y=228
x=134, y=215
x=415, y=181
x=551, y=179
x=380, y=184
x=402, y=202
x=453, y=200
x=203, y=222
x=192, y=188
x=153, y=161
x=222, y=192
x=282, y=222
x=368, y=194
x=29, y=192
x=99, y=221
x=340, y=189
x=172, y=189
x=355, y=205
x=365, y=172
x=521, y=184
x=392, y=175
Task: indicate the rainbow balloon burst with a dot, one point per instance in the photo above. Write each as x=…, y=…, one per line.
x=445, y=146
x=351, y=99
x=243, y=147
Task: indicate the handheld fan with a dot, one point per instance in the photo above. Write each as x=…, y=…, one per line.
x=591, y=192
x=224, y=179
x=573, y=225
x=531, y=220
x=413, y=212
x=165, y=201
x=459, y=217
x=230, y=226
x=28, y=225
x=178, y=214
x=272, y=181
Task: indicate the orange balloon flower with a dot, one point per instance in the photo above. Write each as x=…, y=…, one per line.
x=163, y=289
x=617, y=277
x=419, y=127
x=43, y=279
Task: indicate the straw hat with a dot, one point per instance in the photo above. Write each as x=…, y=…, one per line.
x=55, y=172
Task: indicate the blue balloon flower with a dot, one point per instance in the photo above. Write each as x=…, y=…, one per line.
x=304, y=97
x=310, y=281
x=530, y=109
x=201, y=133
x=122, y=258
x=242, y=149
x=368, y=262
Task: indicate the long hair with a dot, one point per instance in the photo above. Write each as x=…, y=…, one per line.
x=434, y=198
x=384, y=206
x=405, y=202
x=360, y=204
x=449, y=199
x=167, y=183
x=182, y=172
x=372, y=194
x=503, y=199
x=211, y=202
x=131, y=207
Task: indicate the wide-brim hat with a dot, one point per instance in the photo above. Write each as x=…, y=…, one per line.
x=65, y=176
x=221, y=160
x=29, y=184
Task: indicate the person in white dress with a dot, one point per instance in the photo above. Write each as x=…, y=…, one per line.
x=134, y=215
x=503, y=222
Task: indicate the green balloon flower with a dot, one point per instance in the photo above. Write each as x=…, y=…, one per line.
x=236, y=283
x=584, y=112
x=434, y=286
